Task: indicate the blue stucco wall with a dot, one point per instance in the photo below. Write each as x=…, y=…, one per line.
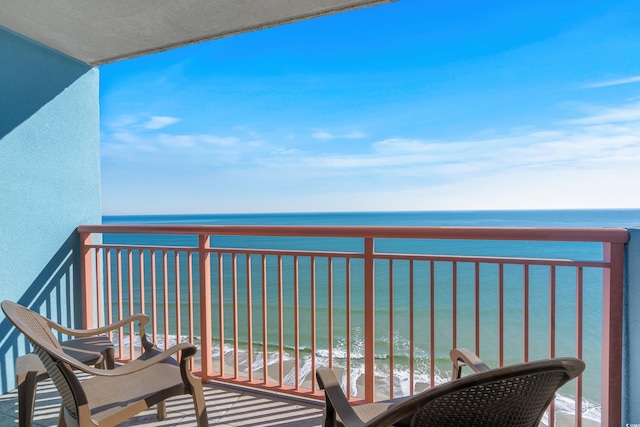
x=631, y=355
x=49, y=180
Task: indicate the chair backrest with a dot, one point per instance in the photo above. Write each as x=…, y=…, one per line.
x=514, y=396
x=37, y=330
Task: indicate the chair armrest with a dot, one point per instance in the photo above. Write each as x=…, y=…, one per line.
x=336, y=401
x=144, y=342
x=142, y=318
x=464, y=357
x=188, y=351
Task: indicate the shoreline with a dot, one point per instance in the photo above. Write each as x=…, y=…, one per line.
x=564, y=404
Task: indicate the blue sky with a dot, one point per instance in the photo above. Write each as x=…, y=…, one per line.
x=413, y=105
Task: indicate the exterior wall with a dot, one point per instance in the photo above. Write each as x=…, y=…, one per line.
x=631, y=355
x=49, y=181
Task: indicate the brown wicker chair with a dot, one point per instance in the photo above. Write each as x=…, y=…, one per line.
x=110, y=396
x=514, y=396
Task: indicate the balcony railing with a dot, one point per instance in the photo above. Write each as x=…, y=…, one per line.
x=382, y=305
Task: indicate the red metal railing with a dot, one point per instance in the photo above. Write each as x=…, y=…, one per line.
x=292, y=304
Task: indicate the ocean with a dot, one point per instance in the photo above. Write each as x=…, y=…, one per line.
x=565, y=333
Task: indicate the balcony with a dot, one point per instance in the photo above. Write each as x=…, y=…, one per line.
x=304, y=304
x=374, y=303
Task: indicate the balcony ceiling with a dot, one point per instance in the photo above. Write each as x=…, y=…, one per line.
x=101, y=31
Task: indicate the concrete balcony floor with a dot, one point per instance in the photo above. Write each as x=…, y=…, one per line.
x=226, y=406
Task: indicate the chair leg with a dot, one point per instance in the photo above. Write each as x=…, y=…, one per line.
x=328, y=417
x=162, y=410
x=109, y=358
x=199, y=404
x=26, y=398
x=61, y=421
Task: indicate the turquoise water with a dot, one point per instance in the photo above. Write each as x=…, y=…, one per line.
x=539, y=288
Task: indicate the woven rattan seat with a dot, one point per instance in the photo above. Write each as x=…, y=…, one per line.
x=514, y=396
x=111, y=396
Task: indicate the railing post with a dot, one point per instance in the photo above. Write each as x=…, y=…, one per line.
x=369, y=321
x=86, y=281
x=612, y=300
x=204, y=243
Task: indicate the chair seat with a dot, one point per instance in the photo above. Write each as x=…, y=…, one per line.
x=369, y=411
x=111, y=395
x=90, y=350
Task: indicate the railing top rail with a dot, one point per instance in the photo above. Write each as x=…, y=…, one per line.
x=608, y=235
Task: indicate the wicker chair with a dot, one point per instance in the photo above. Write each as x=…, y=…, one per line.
x=514, y=396
x=90, y=347
x=110, y=396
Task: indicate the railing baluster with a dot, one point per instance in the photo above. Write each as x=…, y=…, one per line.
x=249, y=318
x=190, y=303
x=412, y=369
x=348, y=324
x=99, y=287
x=579, y=319
x=141, y=281
x=109, y=290
x=280, y=325
x=454, y=304
x=330, y=309
x=432, y=324
x=525, y=314
x=552, y=329
x=313, y=323
x=501, y=315
x=120, y=310
x=234, y=311
x=165, y=297
x=296, y=323
x=390, y=329
x=221, y=311
x=178, y=299
x=130, y=296
x=552, y=311
x=154, y=298
x=265, y=328
x=477, y=307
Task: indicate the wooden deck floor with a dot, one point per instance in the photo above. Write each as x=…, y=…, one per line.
x=226, y=406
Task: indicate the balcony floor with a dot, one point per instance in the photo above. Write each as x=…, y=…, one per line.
x=227, y=407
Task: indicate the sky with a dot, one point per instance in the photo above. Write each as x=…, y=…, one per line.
x=413, y=105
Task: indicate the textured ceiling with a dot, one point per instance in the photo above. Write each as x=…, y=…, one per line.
x=101, y=31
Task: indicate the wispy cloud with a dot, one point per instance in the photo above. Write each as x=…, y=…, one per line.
x=128, y=136
x=159, y=122
x=627, y=113
x=324, y=135
x=616, y=82
x=183, y=141
x=177, y=146
x=605, y=137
